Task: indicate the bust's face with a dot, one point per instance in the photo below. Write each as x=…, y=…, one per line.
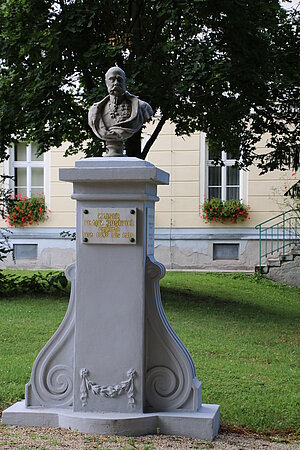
x=115, y=82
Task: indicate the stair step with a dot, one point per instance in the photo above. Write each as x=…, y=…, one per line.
x=263, y=269
x=289, y=257
x=277, y=261
x=274, y=262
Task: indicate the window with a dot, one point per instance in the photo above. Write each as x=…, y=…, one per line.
x=223, y=182
x=28, y=169
x=25, y=251
x=226, y=251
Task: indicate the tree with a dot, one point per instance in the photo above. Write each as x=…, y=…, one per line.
x=228, y=68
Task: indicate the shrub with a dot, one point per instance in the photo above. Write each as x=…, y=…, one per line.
x=23, y=211
x=37, y=283
x=216, y=210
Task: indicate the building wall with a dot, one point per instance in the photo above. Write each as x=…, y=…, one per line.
x=180, y=157
x=180, y=202
x=61, y=205
x=183, y=239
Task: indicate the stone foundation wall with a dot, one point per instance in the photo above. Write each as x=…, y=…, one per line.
x=178, y=249
x=288, y=272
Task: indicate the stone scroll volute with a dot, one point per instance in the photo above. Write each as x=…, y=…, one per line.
x=171, y=381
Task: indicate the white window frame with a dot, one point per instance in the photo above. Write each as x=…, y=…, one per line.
x=204, y=165
x=11, y=164
x=227, y=163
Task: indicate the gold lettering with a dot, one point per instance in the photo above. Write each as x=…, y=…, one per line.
x=108, y=225
x=127, y=235
x=102, y=234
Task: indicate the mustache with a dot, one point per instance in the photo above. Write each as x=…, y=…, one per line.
x=117, y=89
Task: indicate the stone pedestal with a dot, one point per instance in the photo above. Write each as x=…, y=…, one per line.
x=115, y=366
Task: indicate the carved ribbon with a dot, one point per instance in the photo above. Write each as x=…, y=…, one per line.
x=109, y=391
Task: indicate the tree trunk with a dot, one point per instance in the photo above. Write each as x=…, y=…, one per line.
x=153, y=137
x=134, y=145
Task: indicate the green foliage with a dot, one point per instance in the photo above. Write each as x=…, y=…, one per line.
x=12, y=284
x=23, y=211
x=216, y=210
x=224, y=67
x=68, y=235
x=285, y=197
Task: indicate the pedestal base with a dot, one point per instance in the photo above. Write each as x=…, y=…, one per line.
x=201, y=425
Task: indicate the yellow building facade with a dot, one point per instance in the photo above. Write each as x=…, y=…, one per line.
x=183, y=238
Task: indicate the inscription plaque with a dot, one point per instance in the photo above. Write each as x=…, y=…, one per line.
x=109, y=226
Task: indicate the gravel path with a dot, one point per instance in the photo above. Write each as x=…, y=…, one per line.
x=25, y=438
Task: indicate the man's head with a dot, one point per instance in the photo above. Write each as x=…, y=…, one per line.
x=115, y=80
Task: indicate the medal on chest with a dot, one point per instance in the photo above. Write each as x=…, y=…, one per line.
x=119, y=113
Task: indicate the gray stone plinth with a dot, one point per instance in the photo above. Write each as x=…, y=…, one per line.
x=203, y=424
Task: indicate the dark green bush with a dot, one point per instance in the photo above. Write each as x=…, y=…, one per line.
x=37, y=283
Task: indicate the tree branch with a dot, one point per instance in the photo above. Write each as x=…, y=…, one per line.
x=152, y=39
x=135, y=9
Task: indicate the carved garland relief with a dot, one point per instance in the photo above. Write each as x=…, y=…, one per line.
x=108, y=391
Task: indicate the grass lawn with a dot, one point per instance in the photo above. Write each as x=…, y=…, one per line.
x=241, y=332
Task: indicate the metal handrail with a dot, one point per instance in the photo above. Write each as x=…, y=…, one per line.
x=282, y=234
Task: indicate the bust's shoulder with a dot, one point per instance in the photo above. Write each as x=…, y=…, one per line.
x=130, y=97
x=101, y=103
x=144, y=104
x=135, y=99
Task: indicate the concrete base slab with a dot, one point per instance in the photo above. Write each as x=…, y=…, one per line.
x=203, y=424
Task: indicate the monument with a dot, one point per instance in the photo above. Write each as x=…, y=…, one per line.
x=115, y=365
